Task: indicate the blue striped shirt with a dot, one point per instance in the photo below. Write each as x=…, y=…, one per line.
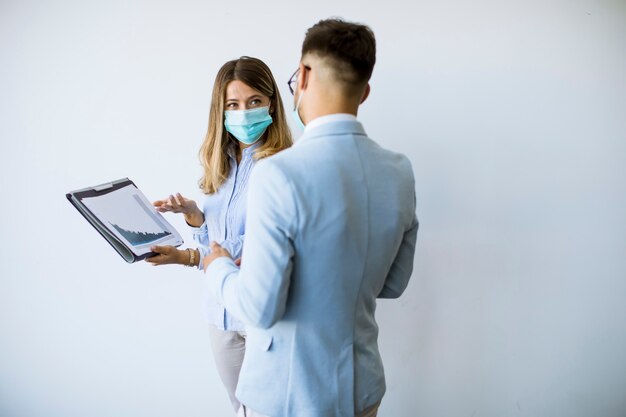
x=225, y=223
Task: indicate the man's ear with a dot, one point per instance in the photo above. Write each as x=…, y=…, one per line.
x=366, y=93
x=303, y=76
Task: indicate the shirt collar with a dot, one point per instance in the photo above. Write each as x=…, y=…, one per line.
x=232, y=149
x=329, y=118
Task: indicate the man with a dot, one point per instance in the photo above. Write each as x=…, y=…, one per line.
x=331, y=226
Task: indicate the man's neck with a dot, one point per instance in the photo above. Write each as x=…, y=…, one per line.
x=325, y=104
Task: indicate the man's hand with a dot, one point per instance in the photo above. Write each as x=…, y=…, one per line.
x=216, y=252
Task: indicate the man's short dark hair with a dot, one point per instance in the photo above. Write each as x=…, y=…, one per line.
x=350, y=46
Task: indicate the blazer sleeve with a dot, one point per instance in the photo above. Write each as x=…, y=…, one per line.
x=402, y=266
x=257, y=293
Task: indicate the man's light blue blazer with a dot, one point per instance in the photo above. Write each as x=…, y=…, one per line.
x=331, y=226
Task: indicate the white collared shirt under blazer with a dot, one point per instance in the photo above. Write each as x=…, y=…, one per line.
x=331, y=226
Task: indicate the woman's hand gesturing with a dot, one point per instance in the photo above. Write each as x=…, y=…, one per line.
x=179, y=204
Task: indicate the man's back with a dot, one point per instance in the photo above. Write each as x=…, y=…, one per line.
x=335, y=216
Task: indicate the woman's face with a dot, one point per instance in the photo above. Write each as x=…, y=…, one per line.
x=240, y=96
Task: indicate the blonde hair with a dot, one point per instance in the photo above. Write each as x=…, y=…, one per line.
x=213, y=152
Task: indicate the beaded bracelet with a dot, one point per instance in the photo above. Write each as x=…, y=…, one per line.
x=192, y=257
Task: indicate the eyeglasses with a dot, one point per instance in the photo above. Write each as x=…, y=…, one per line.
x=292, y=81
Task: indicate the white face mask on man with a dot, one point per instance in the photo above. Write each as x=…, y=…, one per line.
x=296, y=115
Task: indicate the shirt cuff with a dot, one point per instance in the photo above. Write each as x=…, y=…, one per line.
x=199, y=229
x=204, y=251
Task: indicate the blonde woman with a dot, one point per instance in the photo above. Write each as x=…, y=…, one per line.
x=246, y=123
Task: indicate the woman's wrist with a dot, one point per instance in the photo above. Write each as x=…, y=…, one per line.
x=195, y=218
x=182, y=257
x=193, y=257
x=188, y=257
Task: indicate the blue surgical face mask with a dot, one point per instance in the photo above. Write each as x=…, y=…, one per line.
x=247, y=125
x=296, y=115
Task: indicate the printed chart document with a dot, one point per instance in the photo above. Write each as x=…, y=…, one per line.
x=125, y=218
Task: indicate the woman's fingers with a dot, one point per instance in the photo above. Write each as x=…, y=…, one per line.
x=155, y=260
x=163, y=255
x=163, y=250
x=183, y=201
x=174, y=202
x=157, y=249
x=163, y=206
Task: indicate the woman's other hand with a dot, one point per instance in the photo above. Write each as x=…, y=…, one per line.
x=178, y=204
x=168, y=255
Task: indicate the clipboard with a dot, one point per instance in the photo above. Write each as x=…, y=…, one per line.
x=122, y=214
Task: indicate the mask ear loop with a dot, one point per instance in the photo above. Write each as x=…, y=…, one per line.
x=296, y=115
x=301, y=93
x=299, y=100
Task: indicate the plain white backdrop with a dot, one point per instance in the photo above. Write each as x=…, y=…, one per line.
x=513, y=114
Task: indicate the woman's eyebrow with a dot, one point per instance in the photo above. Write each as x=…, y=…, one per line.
x=249, y=98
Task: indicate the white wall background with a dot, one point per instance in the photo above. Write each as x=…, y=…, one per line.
x=512, y=112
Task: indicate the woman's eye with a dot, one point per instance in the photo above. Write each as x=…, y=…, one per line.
x=231, y=105
x=255, y=102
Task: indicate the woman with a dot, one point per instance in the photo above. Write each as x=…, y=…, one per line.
x=246, y=123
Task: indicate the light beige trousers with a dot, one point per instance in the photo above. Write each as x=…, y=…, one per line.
x=368, y=412
x=228, y=350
